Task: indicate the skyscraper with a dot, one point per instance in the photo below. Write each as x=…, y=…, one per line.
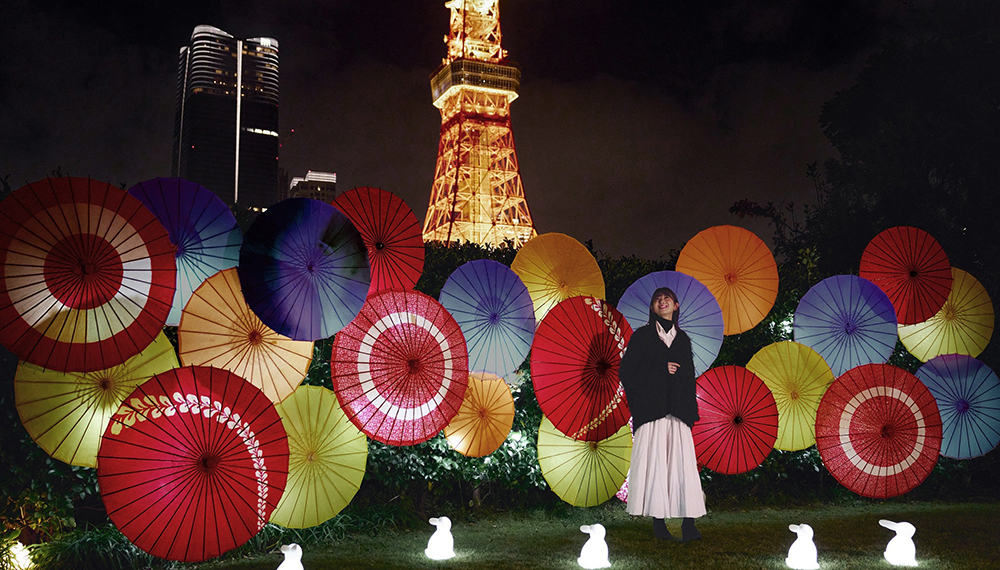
x=226, y=117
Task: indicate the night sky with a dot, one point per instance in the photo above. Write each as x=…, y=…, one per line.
x=638, y=125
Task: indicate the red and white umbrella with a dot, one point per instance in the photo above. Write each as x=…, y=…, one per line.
x=400, y=368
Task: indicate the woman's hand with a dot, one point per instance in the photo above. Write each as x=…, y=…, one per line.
x=672, y=367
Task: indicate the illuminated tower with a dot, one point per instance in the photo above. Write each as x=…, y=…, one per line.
x=477, y=194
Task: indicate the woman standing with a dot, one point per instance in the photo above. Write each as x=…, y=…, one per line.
x=657, y=373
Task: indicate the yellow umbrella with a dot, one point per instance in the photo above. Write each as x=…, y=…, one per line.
x=67, y=413
x=738, y=268
x=798, y=377
x=555, y=267
x=583, y=473
x=964, y=324
x=327, y=456
x=485, y=417
x=219, y=329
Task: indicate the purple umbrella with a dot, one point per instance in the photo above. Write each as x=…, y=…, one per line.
x=968, y=396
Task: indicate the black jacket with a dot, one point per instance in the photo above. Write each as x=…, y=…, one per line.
x=651, y=391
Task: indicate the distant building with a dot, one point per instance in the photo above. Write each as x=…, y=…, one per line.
x=320, y=186
x=226, y=143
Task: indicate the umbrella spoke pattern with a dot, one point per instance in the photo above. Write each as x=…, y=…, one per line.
x=555, y=267
x=583, y=473
x=878, y=431
x=739, y=420
x=968, y=398
x=400, y=369
x=911, y=268
x=193, y=463
x=494, y=310
x=88, y=274
x=485, y=419
x=964, y=324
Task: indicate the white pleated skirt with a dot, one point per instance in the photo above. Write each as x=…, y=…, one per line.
x=663, y=477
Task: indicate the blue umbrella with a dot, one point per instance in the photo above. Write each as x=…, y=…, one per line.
x=494, y=310
x=968, y=396
x=700, y=315
x=848, y=320
x=202, y=227
x=304, y=269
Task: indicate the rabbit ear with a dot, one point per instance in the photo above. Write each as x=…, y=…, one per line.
x=793, y=527
x=888, y=524
x=433, y=521
x=585, y=528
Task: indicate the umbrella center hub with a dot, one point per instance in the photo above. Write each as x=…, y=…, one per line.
x=793, y=395
x=208, y=462
x=83, y=271
x=738, y=420
x=106, y=384
x=602, y=367
x=311, y=457
x=949, y=312
x=413, y=365
x=731, y=278
x=379, y=245
x=256, y=337
x=850, y=328
x=963, y=406
x=888, y=431
x=914, y=274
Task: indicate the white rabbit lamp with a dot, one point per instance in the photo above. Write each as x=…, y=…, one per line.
x=802, y=553
x=441, y=545
x=21, y=557
x=595, y=551
x=293, y=557
x=900, y=551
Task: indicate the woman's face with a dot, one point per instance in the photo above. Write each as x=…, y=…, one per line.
x=664, y=306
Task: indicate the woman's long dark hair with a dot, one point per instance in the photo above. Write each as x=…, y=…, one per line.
x=664, y=292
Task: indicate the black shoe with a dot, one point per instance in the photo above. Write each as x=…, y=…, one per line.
x=688, y=531
x=660, y=530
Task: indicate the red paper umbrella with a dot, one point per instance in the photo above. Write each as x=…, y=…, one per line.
x=88, y=274
x=574, y=368
x=400, y=368
x=739, y=420
x=878, y=430
x=391, y=233
x=193, y=463
x=913, y=270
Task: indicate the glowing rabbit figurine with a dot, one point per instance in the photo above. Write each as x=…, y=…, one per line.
x=595, y=551
x=441, y=545
x=802, y=553
x=900, y=551
x=293, y=557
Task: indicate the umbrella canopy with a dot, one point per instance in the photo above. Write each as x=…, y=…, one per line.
x=327, y=455
x=848, y=320
x=200, y=225
x=193, y=463
x=700, y=314
x=88, y=274
x=304, y=269
x=66, y=413
x=797, y=377
x=494, y=310
x=219, y=329
x=964, y=324
x=400, y=369
x=574, y=368
x=583, y=473
x=738, y=268
x=485, y=418
x=968, y=398
x=878, y=431
x=911, y=268
x=739, y=420
x=555, y=267
x=391, y=233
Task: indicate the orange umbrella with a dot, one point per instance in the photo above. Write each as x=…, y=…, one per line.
x=555, y=267
x=485, y=417
x=964, y=324
x=219, y=329
x=738, y=268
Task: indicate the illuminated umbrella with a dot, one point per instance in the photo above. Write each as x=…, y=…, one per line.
x=400, y=369
x=911, y=268
x=391, y=233
x=327, y=455
x=968, y=397
x=964, y=324
x=555, y=267
x=219, y=329
x=88, y=274
x=700, y=315
x=738, y=268
x=878, y=431
x=739, y=420
x=304, y=269
x=494, y=310
x=583, y=473
x=193, y=463
x=848, y=320
x=797, y=377
x=485, y=418
x=574, y=368
x=66, y=413
x=200, y=225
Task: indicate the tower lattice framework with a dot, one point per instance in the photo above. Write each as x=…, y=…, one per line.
x=477, y=194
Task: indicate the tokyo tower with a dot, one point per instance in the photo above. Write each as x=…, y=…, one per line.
x=477, y=194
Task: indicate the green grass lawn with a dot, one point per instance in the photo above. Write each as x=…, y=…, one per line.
x=949, y=536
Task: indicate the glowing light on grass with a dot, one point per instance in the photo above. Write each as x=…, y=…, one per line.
x=441, y=545
x=802, y=553
x=595, y=551
x=21, y=557
x=900, y=551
